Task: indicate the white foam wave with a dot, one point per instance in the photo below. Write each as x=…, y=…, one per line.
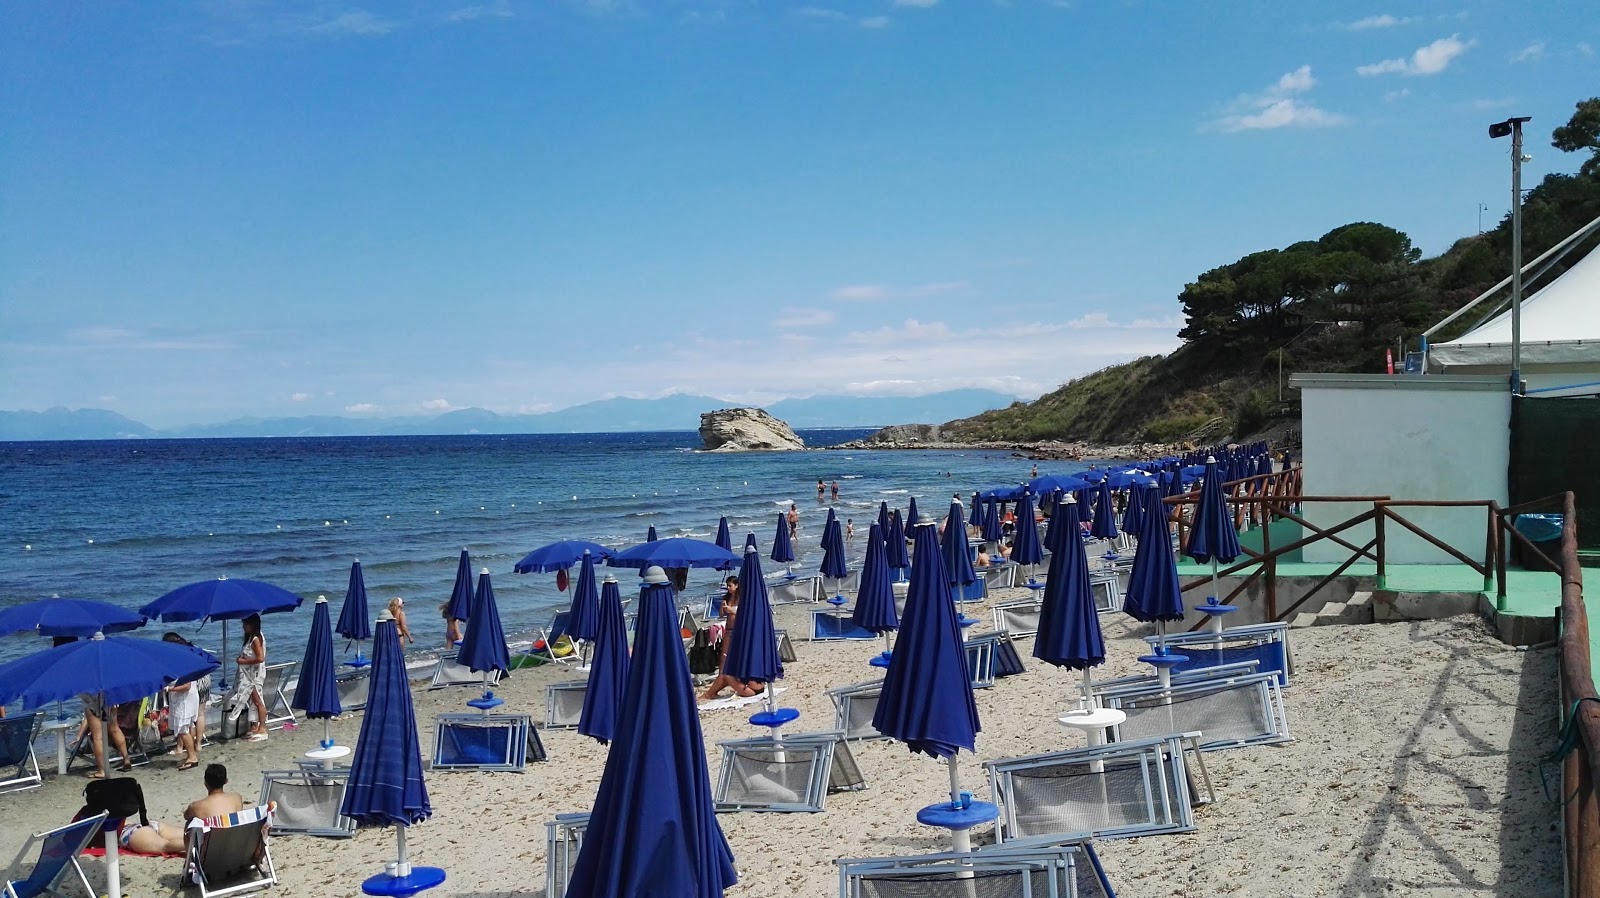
x=893, y=492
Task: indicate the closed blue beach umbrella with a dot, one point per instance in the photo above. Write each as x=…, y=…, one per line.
x=724, y=539
x=833, y=557
x=68, y=617
x=782, y=545
x=1133, y=509
x=1069, y=625
x=912, y=520
x=828, y=525
x=957, y=557
x=992, y=530
x=461, y=594
x=753, y=651
x=608, y=671
x=1104, y=525
x=1025, y=548
x=650, y=535
x=750, y=541
x=559, y=556
x=484, y=648
x=874, y=609
x=584, y=620
x=353, y=621
x=926, y=701
x=317, y=692
x=894, y=544
x=653, y=829
x=883, y=517
x=1153, y=594
x=1212, y=537
x=385, y=786
x=1053, y=525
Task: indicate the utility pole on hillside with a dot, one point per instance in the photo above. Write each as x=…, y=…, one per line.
x=1513, y=127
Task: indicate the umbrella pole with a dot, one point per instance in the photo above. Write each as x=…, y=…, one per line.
x=224, y=683
x=402, y=867
x=960, y=839
x=1088, y=692
x=113, y=865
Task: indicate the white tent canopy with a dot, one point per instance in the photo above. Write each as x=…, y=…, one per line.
x=1560, y=326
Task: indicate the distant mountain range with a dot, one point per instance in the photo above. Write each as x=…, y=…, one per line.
x=676, y=412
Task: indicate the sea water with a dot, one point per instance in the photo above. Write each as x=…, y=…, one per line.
x=127, y=521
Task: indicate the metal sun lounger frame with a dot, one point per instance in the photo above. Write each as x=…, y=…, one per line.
x=59, y=850
x=286, y=787
x=563, y=841
x=505, y=741
x=17, y=735
x=1267, y=643
x=1061, y=870
x=829, y=767
x=1192, y=705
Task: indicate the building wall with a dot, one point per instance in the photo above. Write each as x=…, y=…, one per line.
x=1433, y=437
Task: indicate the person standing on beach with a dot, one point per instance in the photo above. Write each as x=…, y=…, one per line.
x=396, y=606
x=794, y=520
x=183, y=710
x=452, y=627
x=251, y=679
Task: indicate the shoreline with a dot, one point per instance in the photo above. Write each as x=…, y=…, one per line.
x=1044, y=450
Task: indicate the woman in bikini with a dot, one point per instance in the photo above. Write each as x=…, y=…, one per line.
x=252, y=679
x=730, y=612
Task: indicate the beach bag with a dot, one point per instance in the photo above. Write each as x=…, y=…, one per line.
x=704, y=655
x=121, y=798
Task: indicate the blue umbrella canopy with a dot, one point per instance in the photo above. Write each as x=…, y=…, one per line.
x=1212, y=535
x=353, y=621
x=1133, y=510
x=608, y=671
x=461, y=594
x=912, y=520
x=724, y=539
x=833, y=557
x=1105, y=518
x=317, y=692
x=584, y=622
x=1050, y=483
x=750, y=541
x=883, y=517
x=753, y=653
x=1153, y=593
x=484, y=649
x=650, y=535
x=221, y=599
x=833, y=519
x=1025, y=548
x=120, y=668
x=895, y=543
x=782, y=546
x=1069, y=626
x=926, y=700
x=673, y=552
x=992, y=530
x=68, y=617
x=560, y=556
x=654, y=829
x=957, y=558
x=1061, y=520
x=385, y=786
x=874, y=609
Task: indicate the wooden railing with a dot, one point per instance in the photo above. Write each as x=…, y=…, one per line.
x=1580, y=769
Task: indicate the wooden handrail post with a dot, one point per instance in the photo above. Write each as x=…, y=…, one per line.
x=1271, y=568
x=1377, y=528
x=1491, y=565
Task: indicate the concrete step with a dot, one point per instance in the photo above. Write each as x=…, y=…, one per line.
x=1357, y=610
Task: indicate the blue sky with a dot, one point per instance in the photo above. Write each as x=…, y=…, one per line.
x=257, y=208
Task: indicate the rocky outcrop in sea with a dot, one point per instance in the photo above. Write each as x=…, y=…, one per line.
x=746, y=429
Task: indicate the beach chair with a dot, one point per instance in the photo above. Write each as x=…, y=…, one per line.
x=786, y=590
x=1266, y=644
x=1000, y=575
x=1017, y=618
x=229, y=854
x=353, y=687
x=1230, y=712
x=563, y=704
x=275, y=694
x=563, y=841
x=1136, y=788
x=16, y=752
x=469, y=741
x=552, y=642
x=307, y=801
x=58, y=856
x=794, y=773
x=980, y=662
x=127, y=718
x=1063, y=870
x=901, y=589
x=835, y=623
x=1106, y=586
x=854, y=706
x=448, y=672
x=785, y=647
x=1007, y=662
x=1191, y=675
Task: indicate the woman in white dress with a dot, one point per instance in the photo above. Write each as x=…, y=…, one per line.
x=183, y=714
x=252, y=679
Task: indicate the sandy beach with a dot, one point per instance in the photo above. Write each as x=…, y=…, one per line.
x=1414, y=771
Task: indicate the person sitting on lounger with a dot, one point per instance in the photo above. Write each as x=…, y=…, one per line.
x=218, y=800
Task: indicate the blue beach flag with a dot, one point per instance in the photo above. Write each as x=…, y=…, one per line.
x=874, y=609
x=782, y=545
x=724, y=538
x=1153, y=593
x=461, y=594
x=753, y=651
x=957, y=554
x=653, y=829
x=353, y=621
x=1104, y=525
x=608, y=671
x=484, y=648
x=1025, y=548
x=584, y=621
x=68, y=617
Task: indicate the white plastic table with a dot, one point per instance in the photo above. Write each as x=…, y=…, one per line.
x=326, y=756
x=59, y=726
x=1093, y=722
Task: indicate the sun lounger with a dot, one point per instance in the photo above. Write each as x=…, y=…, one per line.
x=563, y=841
x=448, y=672
x=16, y=752
x=835, y=623
x=1136, y=788
x=1267, y=644
x=127, y=718
x=553, y=644
x=468, y=741
x=1003, y=658
x=229, y=854
x=1063, y=870
x=1178, y=676
x=1106, y=587
x=999, y=575
x=1017, y=618
x=353, y=686
x=307, y=801
x=785, y=590
x=980, y=662
x=563, y=704
x=854, y=706
x=58, y=856
x=785, y=647
x=1229, y=712
x=794, y=773
x=275, y=694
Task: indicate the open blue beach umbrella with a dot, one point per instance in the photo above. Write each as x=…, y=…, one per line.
x=1104, y=525
x=484, y=648
x=560, y=556
x=833, y=557
x=608, y=670
x=317, y=691
x=675, y=552
x=385, y=785
x=782, y=546
x=221, y=599
x=912, y=520
x=1153, y=594
x=894, y=543
x=724, y=539
x=957, y=557
x=753, y=653
x=584, y=621
x=461, y=594
x=650, y=535
x=1211, y=536
x=1069, y=624
x=875, y=609
x=1133, y=509
x=353, y=621
x=653, y=829
x=68, y=617
x=1050, y=483
x=1025, y=548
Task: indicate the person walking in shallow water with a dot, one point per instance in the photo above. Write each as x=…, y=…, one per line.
x=794, y=520
x=821, y=489
x=836, y=491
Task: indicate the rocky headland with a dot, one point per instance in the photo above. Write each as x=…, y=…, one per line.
x=934, y=436
x=744, y=430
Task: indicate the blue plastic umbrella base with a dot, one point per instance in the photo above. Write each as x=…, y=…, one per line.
x=836, y=601
x=358, y=662
x=953, y=816
x=1164, y=660
x=882, y=660
x=420, y=880
x=1215, y=607
x=965, y=621
x=486, y=702
x=775, y=718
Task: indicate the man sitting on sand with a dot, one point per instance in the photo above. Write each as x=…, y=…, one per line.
x=217, y=802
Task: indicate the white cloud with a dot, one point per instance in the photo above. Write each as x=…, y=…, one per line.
x=437, y=405
x=499, y=10
x=875, y=22
x=1429, y=60
x=361, y=408
x=1380, y=21
x=1168, y=323
x=1277, y=107
x=1487, y=104
x=1393, y=95
x=800, y=317
x=1584, y=49
x=1531, y=53
x=299, y=397
x=918, y=4
x=356, y=22
x=106, y=399
x=102, y=337
x=875, y=292
x=818, y=12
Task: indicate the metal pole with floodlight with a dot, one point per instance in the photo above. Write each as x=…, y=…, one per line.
x=1513, y=127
